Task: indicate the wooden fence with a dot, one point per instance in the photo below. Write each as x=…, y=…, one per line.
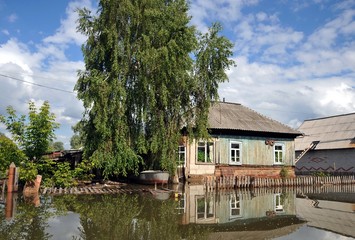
x=212, y=182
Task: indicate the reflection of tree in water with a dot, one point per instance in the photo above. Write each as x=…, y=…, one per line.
x=29, y=222
x=127, y=217
x=119, y=216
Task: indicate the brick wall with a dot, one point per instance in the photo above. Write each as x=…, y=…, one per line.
x=256, y=171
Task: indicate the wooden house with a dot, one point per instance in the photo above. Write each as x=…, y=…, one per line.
x=239, y=214
x=327, y=145
x=242, y=143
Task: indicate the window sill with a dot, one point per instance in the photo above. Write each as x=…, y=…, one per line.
x=202, y=163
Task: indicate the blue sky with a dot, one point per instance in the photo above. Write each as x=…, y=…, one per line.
x=295, y=59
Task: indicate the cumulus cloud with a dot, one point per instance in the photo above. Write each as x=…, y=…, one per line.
x=282, y=72
x=225, y=10
x=67, y=33
x=289, y=75
x=43, y=72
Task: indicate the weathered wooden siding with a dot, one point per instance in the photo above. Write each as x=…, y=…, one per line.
x=254, y=153
x=257, y=207
x=219, y=205
x=254, y=150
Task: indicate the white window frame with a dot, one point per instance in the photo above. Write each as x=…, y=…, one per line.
x=278, y=204
x=181, y=208
x=207, y=152
x=235, y=203
x=184, y=158
x=208, y=208
x=235, y=149
x=277, y=152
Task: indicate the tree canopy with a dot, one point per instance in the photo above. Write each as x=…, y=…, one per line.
x=9, y=152
x=33, y=134
x=57, y=146
x=148, y=73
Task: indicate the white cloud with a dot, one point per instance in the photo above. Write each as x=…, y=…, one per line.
x=281, y=72
x=224, y=11
x=5, y=32
x=67, y=33
x=12, y=18
x=340, y=96
x=17, y=53
x=48, y=66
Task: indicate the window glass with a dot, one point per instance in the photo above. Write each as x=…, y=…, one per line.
x=205, y=152
x=235, y=206
x=279, y=153
x=181, y=156
x=204, y=207
x=235, y=153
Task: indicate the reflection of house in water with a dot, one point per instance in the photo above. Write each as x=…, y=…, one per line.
x=237, y=212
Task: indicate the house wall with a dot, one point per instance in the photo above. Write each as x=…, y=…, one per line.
x=254, y=150
x=332, y=161
x=257, y=158
x=193, y=167
x=256, y=207
x=218, y=207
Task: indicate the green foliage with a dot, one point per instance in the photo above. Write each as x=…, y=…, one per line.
x=9, y=152
x=63, y=176
x=75, y=142
x=59, y=174
x=283, y=172
x=34, y=133
x=148, y=73
x=58, y=146
x=200, y=156
x=321, y=174
x=28, y=171
x=83, y=170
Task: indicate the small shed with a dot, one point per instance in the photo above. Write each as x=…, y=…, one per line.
x=327, y=145
x=242, y=143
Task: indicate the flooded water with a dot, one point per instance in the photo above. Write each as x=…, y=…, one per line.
x=189, y=212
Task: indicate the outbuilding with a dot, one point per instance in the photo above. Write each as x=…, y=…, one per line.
x=327, y=145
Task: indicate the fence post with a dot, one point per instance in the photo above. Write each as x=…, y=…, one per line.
x=11, y=178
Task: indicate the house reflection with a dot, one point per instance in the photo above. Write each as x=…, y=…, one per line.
x=211, y=207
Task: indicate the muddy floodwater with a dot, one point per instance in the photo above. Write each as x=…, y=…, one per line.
x=185, y=212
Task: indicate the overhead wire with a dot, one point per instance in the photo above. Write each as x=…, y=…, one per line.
x=36, y=84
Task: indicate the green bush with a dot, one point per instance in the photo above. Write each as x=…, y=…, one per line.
x=28, y=171
x=63, y=175
x=283, y=172
x=83, y=170
x=321, y=174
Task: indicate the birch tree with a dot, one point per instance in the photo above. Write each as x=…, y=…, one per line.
x=148, y=73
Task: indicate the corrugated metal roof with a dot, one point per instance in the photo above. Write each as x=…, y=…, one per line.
x=335, y=132
x=233, y=116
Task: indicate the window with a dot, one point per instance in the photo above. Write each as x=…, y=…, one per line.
x=181, y=204
x=235, y=153
x=235, y=207
x=205, y=152
x=279, y=202
x=279, y=153
x=204, y=207
x=181, y=156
